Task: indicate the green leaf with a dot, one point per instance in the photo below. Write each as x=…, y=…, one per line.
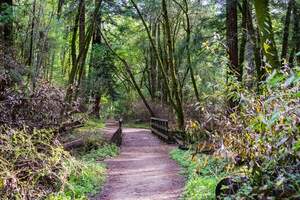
x=297, y=94
x=275, y=78
x=289, y=81
x=274, y=118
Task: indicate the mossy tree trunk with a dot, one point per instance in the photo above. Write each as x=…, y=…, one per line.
x=267, y=43
x=285, y=38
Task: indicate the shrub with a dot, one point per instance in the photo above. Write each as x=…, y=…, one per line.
x=87, y=175
x=85, y=180
x=31, y=165
x=265, y=133
x=203, y=173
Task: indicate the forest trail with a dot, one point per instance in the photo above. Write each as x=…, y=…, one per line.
x=143, y=170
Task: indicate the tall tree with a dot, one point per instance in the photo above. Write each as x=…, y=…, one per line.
x=172, y=87
x=97, y=42
x=285, y=38
x=267, y=42
x=296, y=35
x=232, y=45
x=174, y=79
x=243, y=42
x=232, y=38
x=188, y=30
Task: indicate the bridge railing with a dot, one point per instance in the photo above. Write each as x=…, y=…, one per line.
x=117, y=136
x=160, y=127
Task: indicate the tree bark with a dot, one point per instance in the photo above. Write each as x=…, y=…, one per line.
x=266, y=33
x=254, y=40
x=82, y=38
x=96, y=107
x=232, y=38
x=97, y=40
x=296, y=35
x=30, y=58
x=80, y=59
x=285, y=38
x=175, y=84
x=153, y=65
x=244, y=38
x=232, y=45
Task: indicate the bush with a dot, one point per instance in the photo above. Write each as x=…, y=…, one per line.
x=86, y=178
x=87, y=175
x=31, y=165
x=203, y=173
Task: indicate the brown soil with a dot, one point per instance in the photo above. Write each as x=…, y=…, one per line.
x=143, y=170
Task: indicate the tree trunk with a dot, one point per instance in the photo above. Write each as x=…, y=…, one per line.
x=232, y=38
x=153, y=65
x=82, y=38
x=244, y=38
x=255, y=43
x=188, y=30
x=296, y=35
x=72, y=74
x=285, y=39
x=79, y=61
x=266, y=33
x=30, y=58
x=175, y=84
x=232, y=45
x=96, y=107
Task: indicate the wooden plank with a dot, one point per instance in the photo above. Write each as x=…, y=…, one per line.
x=159, y=119
x=160, y=134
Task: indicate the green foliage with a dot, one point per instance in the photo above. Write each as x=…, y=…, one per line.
x=101, y=153
x=93, y=124
x=203, y=173
x=35, y=166
x=86, y=178
x=137, y=125
x=269, y=137
x=6, y=13
x=101, y=79
x=31, y=164
x=87, y=175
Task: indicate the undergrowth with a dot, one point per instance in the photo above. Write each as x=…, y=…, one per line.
x=93, y=124
x=101, y=153
x=203, y=172
x=34, y=165
x=87, y=175
x=31, y=164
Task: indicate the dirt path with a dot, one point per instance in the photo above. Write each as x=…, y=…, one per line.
x=143, y=170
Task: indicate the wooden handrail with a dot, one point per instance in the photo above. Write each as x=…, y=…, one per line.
x=160, y=127
x=117, y=136
x=159, y=119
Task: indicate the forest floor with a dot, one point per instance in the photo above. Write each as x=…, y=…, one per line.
x=143, y=170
